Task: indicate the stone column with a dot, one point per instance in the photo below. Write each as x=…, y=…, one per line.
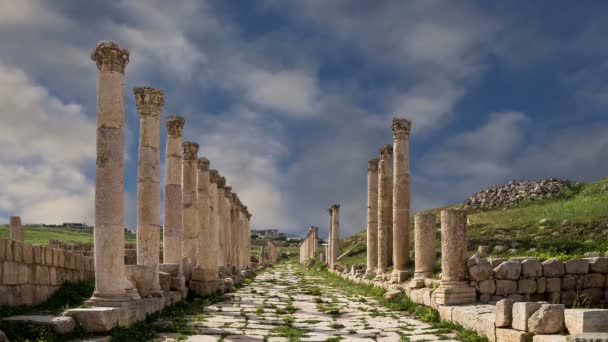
x=228, y=228
x=372, y=216
x=248, y=238
x=329, y=238
x=189, y=203
x=214, y=231
x=172, y=232
x=424, y=248
x=149, y=102
x=335, y=236
x=111, y=286
x=16, y=229
x=234, y=227
x=454, y=288
x=203, y=256
x=221, y=182
x=401, y=198
x=385, y=208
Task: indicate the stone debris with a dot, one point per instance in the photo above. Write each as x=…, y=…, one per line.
x=514, y=192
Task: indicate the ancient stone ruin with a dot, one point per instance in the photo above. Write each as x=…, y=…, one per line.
x=515, y=192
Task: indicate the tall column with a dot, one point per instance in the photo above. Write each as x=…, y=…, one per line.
x=202, y=255
x=214, y=232
x=316, y=241
x=385, y=208
x=248, y=238
x=172, y=232
x=329, y=238
x=401, y=198
x=16, y=229
x=149, y=102
x=335, y=236
x=189, y=203
x=228, y=227
x=221, y=182
x=234, y=226
x=454, y=288
x=111, y=286
x=424, y=243
x=372, y=216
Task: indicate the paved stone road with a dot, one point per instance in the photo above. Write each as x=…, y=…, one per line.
x=282, y=305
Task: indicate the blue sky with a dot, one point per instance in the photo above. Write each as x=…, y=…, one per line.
x=289, y=99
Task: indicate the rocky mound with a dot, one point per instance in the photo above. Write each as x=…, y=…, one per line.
x=514, y=192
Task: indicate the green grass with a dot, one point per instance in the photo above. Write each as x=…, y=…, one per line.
x=41, y=236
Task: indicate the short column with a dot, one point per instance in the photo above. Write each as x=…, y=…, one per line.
x=149, y=103
x=372, y=215
x=111, y=286
x=424, y=248
x=189, y=212
x=16, y=229
x=385, y=208
x=454, y=288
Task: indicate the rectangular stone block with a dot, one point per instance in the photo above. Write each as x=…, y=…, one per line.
x=17, y=251
x=580, y=321
x=549, y=338
x=598, y=264
x=479, y=318
x=510, y=335
x=590, y=337
x=37, y=252
x=2, y=249
x=24, y=274
x=28, y=253
x=526, y=286
x=10, y=271
x=521, y=312
x=97, y=319
x=8, y=250
x=577, y=266
x=48, y=258
x=506, y=287
x=445, y=312
x=504, y=313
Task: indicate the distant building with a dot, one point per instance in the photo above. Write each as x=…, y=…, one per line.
x=267, y=233
x=78, y=225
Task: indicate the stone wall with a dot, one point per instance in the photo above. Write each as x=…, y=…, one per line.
x=31, y=274
x=583, y=282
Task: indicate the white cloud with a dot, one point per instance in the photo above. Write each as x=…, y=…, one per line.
x=29, y=13
x=47, y=145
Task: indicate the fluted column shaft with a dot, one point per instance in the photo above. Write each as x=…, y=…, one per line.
x=204, y=232
x=372, y=215
x=149, y=102
x=189, y=201
x=173, y=230
x=385, y=208
x=401, y=197
x=110, y=282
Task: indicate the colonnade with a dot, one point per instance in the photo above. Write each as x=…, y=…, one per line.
x=310, y=245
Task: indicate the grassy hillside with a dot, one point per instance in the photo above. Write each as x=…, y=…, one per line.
x=41, y=236
x=568, y=226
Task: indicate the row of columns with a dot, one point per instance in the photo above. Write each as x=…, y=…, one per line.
x=206, y=225
x=310, y=245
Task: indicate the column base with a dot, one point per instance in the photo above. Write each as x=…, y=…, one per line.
x=114, y=300
x=455, y=293
x=416, y=283
x=400, y=276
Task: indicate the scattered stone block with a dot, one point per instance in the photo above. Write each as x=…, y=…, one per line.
x=510, y=335
x=509, y=270
x=391, y=294
x=97, y=319
x=549, y=319
x=580, y=321
x=577, y=266
x=61, y=325
x=521, y=312
x=553, y=268
x=479, y=318
x=504, y=313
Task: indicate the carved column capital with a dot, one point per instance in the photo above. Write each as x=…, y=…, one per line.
x=203, y=164
x=335, y=206
x=175, y=126
x=386, y=152
x=372, y=164
x=190, y=149
x=228, y=191
x=148, y=100
x=401, y=128
x=110, y=57
x=213, y=176
x=221, y=182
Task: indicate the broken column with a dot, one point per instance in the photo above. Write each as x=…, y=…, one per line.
x=401, y=198
x=172, y=232
x=111, y=286
x=335, y=236
x=385, y=208
x=454, y=289
x=372, y=215
x=189, y=212
x=424, y=248
x=149, y=103
x=16, y=229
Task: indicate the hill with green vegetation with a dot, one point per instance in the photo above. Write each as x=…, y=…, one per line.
x=41, y=236
x=566, y=226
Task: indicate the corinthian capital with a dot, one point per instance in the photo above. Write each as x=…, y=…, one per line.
x=213, y=176
x=227, y=191
x=221, y=182
x=190, y=149
x=401, y=128
x=148, y=100
x=175, y=126
x=110, y=57
x=203, y=164
x=335, y=206
x=386, y=151
x=372, y=164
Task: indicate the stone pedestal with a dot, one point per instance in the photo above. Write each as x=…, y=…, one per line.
x=173, y=232
x=149, y=102
x=16, y=229
x=401, y=198
x=424, y=243
x=454, y=289
x=111, y=286
x=372, y=216
x=385, y=208
x=189, y=201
